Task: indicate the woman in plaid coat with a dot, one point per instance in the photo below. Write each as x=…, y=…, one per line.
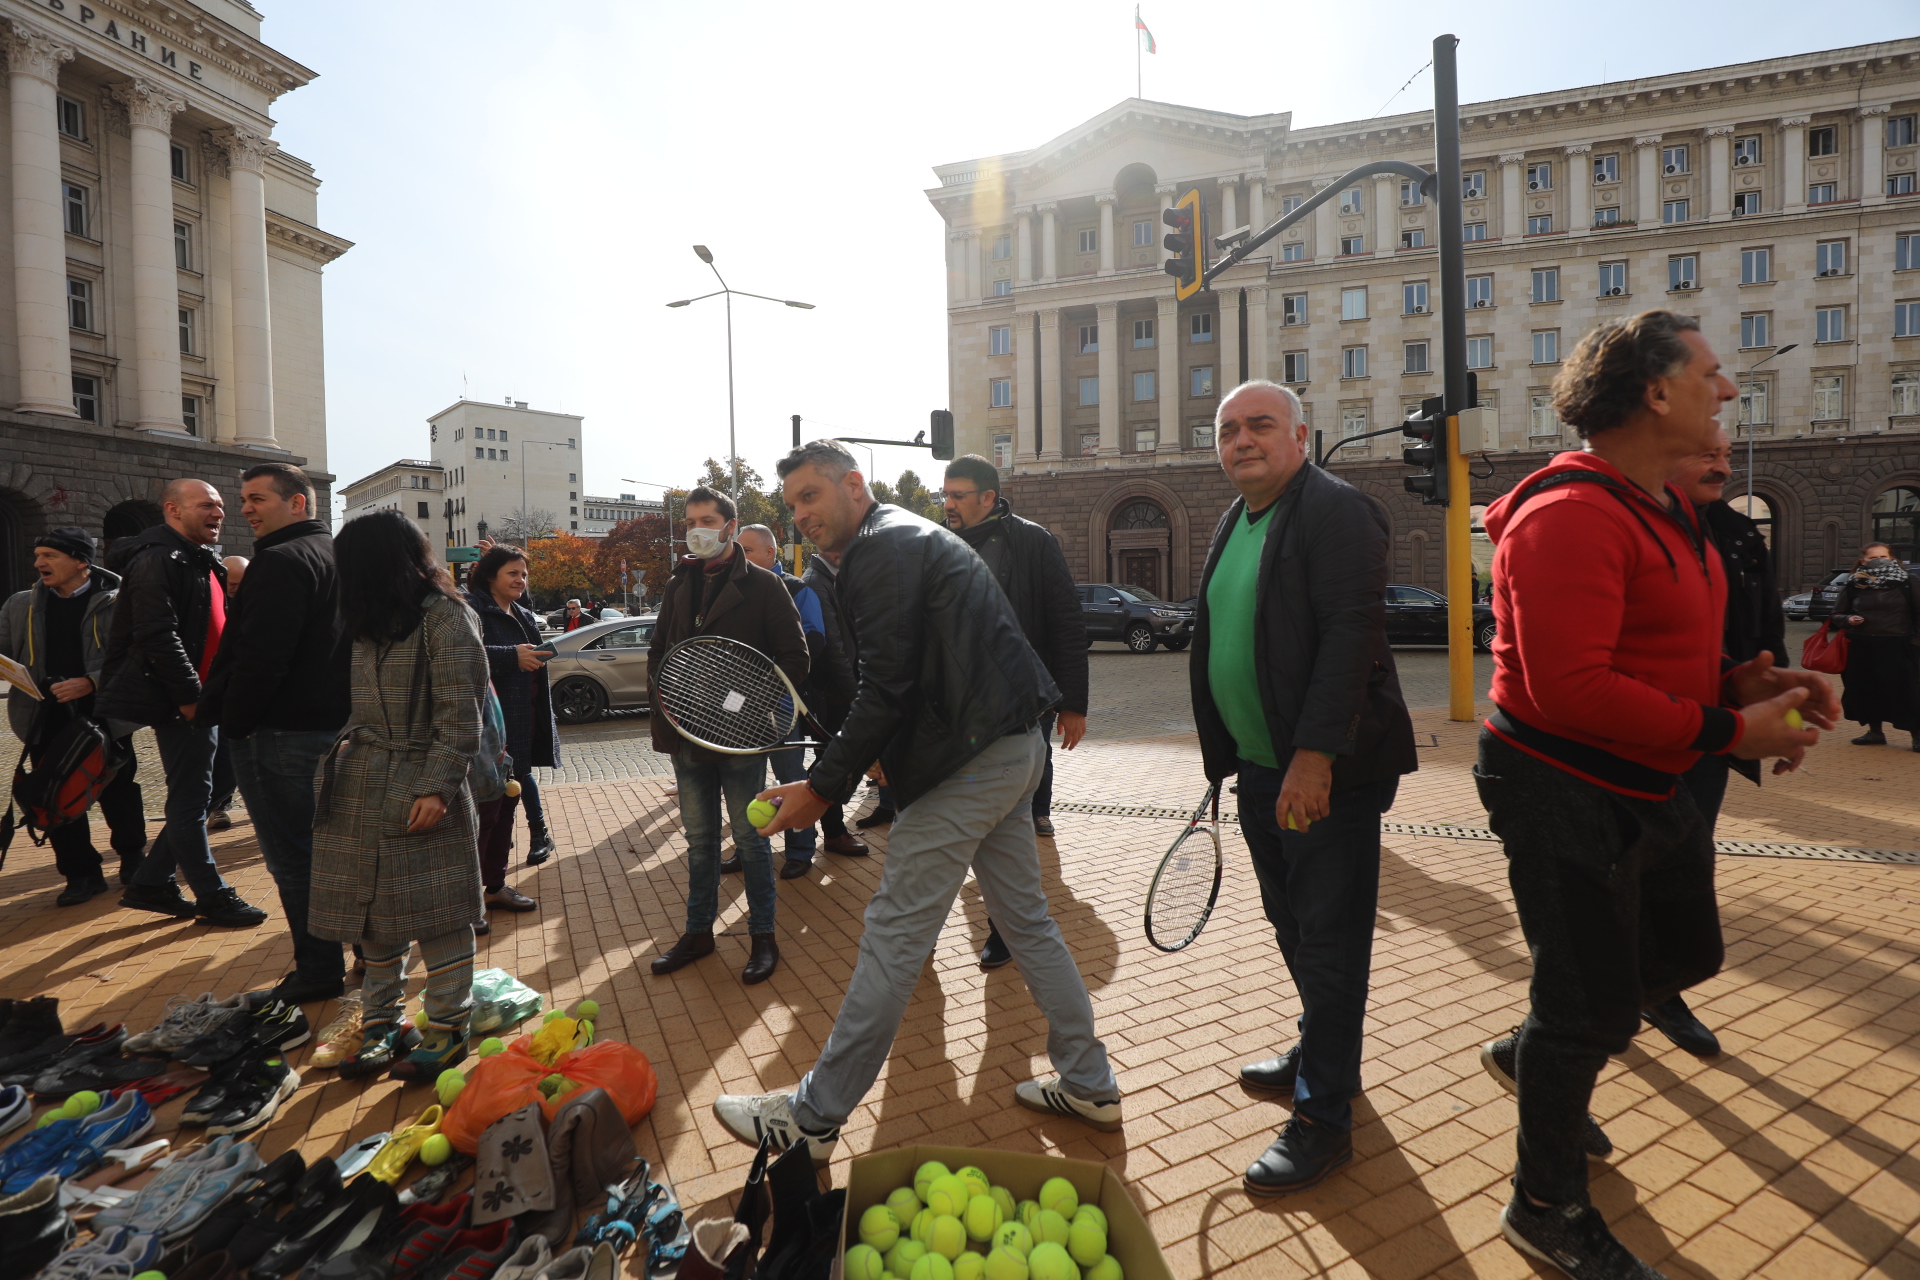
x=394, y=857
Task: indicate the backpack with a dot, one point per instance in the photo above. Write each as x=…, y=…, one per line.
x=77, y=763
x=491, y=769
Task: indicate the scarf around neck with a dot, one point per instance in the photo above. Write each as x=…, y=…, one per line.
x=1878, y=575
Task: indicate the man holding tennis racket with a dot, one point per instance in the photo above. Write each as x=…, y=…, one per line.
x=1294, y=689
x=949, y=700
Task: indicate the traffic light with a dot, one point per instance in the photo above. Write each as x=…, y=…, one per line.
x=1429, y=429
x=1187, y=243
x=943, y=435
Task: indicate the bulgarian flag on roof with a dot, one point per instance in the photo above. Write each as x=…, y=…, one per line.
x=1141, y=27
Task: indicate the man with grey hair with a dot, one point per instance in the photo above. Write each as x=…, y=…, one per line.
x=790, y=765
x=949, y=700
x=1294, y=690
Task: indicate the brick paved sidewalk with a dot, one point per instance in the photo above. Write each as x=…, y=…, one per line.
x=1791, y=1156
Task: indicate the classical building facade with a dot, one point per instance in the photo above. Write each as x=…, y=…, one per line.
x=414, y=487
x=160, y=316
x=599, y=515
x=500, y=459
x=1776, y=200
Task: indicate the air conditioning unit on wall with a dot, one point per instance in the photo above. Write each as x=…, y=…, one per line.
x=1743, y=159
x=1672, y=169
x=1533, y=186
x=1686, y=284
x=1479, y=302
x=1615, y=292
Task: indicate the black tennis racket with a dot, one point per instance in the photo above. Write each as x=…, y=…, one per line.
x=730, y=697
x=1185, y=887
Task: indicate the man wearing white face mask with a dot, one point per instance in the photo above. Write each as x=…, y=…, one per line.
x=717, y=591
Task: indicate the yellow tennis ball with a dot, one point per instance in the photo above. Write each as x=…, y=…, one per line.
x=970, y=1266
x=1090, y=1211
x=760, y=812
x=1793, y=718
x=1028, y=1208
x=490, y=1046
x=879, y=1228
x=151, y=1275
x=983, y=1218
x=1058, y=1195
x=1051, y=1262
x=948, y=1195
x=923, y=1177
x=917, y=1230
x=1014, y=1236
x=864, y=1263
x=904, y=1203
x=83, y=1103
x=977, y=1184
x=420, y=1019
x=1086, y=1241
x=1005, y=1264
x=932, y=1266
x=1108, y=1268
x=587, y=1009
x=902, y=1256
x=1009, y=1208
x=436, y=1149
x=946, y=1236
x=1049, y=1228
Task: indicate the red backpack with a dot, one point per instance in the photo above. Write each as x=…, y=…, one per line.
x=75, y=767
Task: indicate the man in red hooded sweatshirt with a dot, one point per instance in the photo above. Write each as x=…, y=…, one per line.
x=1609, y=683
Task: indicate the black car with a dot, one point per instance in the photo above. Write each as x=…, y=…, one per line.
x=1134, y=615
x=1827, y=594
x=1416, y=615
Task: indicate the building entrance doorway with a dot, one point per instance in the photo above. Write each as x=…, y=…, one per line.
x=1138, y=542
x=20, y=522
x=1140, y=569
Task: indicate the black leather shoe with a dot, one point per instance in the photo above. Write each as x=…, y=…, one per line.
x=83, y=890
x=995, y=953
x=226, y=909
x=878, y=818
x=166, y=900
x=1677, y=1023
x=481, y=928
x=1301, y=1157
x=764, y=958
x=691, y=947
x=508, y=898
x=730, y=865
x=794, y=868
x=1871, y=738
x=130, y=863
x=542, y=846
x=846, y=845
x=1276, y=1075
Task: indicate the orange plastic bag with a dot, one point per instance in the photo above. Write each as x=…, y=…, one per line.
x=510, y=1079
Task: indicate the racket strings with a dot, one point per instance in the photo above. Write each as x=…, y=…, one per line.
x=1185, y=887
x=727, y=695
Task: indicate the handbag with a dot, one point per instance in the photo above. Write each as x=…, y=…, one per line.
x=1825, y=650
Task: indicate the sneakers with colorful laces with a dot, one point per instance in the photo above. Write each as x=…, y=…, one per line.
x=341, y=1037
x=185, y=1020
x=113, y=1253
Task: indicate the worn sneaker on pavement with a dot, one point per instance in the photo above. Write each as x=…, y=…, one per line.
x=101, y=1073
x=255, y=1096
x=190, y=1201
x=185, y=1021
x=174, y=1170
x=115, y=1253
x=15, y=1108
x=381, y=1045
x=1049, y=1096
x=70, y=1148
x=274, y=1026
x=751, y=1117
x=25, y=1068
x=341, y=1036
x=226, y=909
x=1571, y=1237
x=1499, y=1057
x=90, y=1047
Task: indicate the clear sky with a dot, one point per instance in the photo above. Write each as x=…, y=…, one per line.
x=524, y=181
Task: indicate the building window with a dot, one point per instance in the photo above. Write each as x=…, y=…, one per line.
x=1830, y=398
x=1479, y=291
x=1756, y=266
x=1673, y=160
x=1142, y=333
x=1820, y=193
x=1745, y=204
x=1289, y=203
x=1410, y=194
x=1540, y=176
x=1200, y=327
x=503, y=456
x=503, y=434
x=74, y=200
x=1002, y=449
x=1000, y=340
x=1089, y=443
x=182, y=246
x=478, y=452
x=1607, y=217
x=1613, y=279
x=1900, y=131
x=1090, y=240
x=1540, y=419
x=190, y=414
x=1293, y=252
x=1201, y=436
x=1480, y=353
x=1200, y=381
x=1473, y=231
x=422, y=511
x=1142, y=235
x=1540, y=225
x=1473, y=186
x=1350, y=201
x=80, y=304
x=1144, y=439
x=1682, y=272
x=1753, y=404
x=1606, y=169
x=1143, y=388
x=1673, y=211
x=1830, y=258
x=1353, y=304
x=1906, y=319
x=1353, y=421
x=1293, y=306
x=1900, y=184
x=1546, y=346
x=1352, y=246
x=186, y=331
x=1546, y=284
x=1002, y=248
x=1003, y=288
x=1000, y=393
x=1089, y=339
x=1830, y=324
x=1413, y=298
x=1906, y=394
x=1416, y=358
x=1746, y=150
x=72, y=118
x=1294, y=366
x=1089, y=391
x=1353, y=362
x=86, y=398
x=1756, y=328
x=177, y=157
x=1414, y=239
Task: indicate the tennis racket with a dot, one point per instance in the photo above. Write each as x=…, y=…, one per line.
x=730, y=697
x=1188, y=882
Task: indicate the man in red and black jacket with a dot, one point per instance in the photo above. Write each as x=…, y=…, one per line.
x=1609, y=683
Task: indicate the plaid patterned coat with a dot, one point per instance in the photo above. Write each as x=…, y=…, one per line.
x=413, y=732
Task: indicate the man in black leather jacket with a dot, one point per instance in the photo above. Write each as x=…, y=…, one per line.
x=949, y=699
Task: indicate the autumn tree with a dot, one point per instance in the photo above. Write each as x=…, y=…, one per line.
x=646, y=544
x=563, y=566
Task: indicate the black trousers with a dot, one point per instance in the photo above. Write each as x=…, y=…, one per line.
x=1616, y=899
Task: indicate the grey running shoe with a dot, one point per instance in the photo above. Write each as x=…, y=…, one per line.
x=185, y=1020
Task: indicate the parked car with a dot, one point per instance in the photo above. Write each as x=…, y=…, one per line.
x=1135, y=616
x=1821, y=599
x=1796, y=607
x=1416, y=615
x=599, y=668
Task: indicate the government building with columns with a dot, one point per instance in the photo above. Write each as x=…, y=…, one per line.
x=161, y=314
x=1776, y=200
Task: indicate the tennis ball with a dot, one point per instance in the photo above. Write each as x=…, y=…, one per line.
x=551, y=1014
x=1051, y=1262
x=923, y=1177
x=1028, y=1208
x=983, y=1218
x=879, y=1228
x=420, y=1019
x=449, y=1085
x=1086, y=1241
x=1014, y=1236
x=904, y=1203
x=932, y=1266
x=760, y=812
x=865, y=1263
x=1091, y=1211
x=1108, y=1268
x=1005, y=1264
x=1049, y=1228
x=436, y=1149
x=946, y=1236
x=151, y=1275
x=970, y=1266
x=1058, y=1195
x=587, y=1009
x=977, y=1184
x=490, y=1046
x=49, y=1118
x=917, y=1229
x=948, y=1195
x=83, y=1103
x=1009, y=1211
x=1793, y=718
x=902, y=1256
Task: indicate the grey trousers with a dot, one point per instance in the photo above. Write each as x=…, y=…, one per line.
x=981, y=816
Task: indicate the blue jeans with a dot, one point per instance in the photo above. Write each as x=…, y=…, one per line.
x=1319, y=888
x=186, y=756
x=275, y=768
x=703, y=784
x=791, y=766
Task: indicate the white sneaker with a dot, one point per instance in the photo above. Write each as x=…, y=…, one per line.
x=751, y=1117
x=15, y=1108
x=1049, y=1096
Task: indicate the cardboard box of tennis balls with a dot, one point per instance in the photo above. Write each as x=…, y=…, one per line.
x=1129, y=1240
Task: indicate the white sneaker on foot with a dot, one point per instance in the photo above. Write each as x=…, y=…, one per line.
x=1051, y=1097
x=751, y=1117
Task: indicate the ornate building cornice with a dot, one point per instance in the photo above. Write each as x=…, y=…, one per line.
x=33, y=52
x=322, y=246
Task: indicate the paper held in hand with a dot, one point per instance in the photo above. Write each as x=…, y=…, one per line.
x=19, y=677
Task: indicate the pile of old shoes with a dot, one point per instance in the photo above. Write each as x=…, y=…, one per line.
x=72, y=1147
x=34, y=1228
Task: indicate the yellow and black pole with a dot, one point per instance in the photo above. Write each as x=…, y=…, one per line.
x=1458, y=389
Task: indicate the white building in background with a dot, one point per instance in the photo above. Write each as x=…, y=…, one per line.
x=499, y=459
x=411, y=486
x=599, y=515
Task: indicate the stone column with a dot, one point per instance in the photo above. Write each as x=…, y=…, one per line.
x=1026, y=392
x=1513, y=195
x=1386, y=214
x=1579, y=188
x=1872, y=168
x=156, y=281
x=1793, y=163
x=1052, y=425
x=1105, y=200
x=1257, y=201
x=1023, y=223
x=247, y=154
x=1107, y=315
x=970, y=255
x=1646, y=177
x=1719, y=172
x=1226, y=336
x=1256, y=331
x=1229, y=205
x=1166, y=191
x=1326, y=231
x=1049, y=244
x=1166, y=337
x=39, y=235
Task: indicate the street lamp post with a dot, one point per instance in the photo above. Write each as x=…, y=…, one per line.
x=1747, y=385
x=706, y=256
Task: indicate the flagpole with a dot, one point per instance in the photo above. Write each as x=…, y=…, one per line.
x=1136, y=53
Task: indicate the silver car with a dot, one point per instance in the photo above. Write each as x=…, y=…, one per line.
x=599, y=668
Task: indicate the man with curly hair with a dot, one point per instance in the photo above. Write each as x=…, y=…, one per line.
x=1609, y=684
